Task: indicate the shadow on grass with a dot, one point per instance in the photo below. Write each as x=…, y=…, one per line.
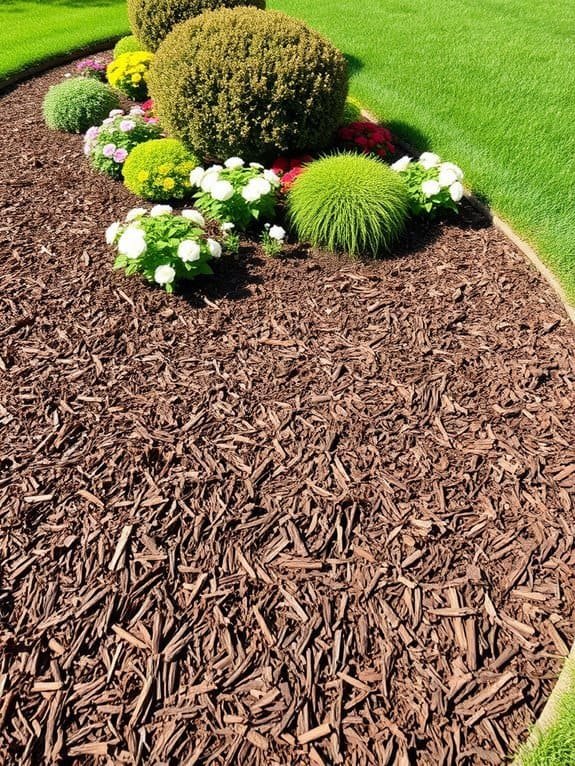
x=410, y=134
x=354, y=64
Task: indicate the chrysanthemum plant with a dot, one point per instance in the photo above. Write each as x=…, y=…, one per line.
x=108, y=145
x=433, y=185
x=163, y=247
x=236, y=193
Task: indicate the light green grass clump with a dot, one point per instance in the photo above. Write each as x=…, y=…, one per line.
x=77, y=104
x=127, y=44
x=556, y=746
x=349, y=202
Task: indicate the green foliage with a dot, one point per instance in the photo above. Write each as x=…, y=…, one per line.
x=109, y=145
x=352, y=111
x=128, y=44
x=129, y=72
x=249, y=82
x=236, y=194
x=153, y=20
x=76, y=104
x=349, y=202
x=160, y=170
x=432, y=185
x=162, y=247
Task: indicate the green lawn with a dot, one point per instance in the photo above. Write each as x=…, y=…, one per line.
x=32, y=31
x=487, y=84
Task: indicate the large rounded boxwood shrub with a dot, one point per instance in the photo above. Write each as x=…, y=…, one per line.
x=77, y=104
x=349, y=202
x=160, y=170
x=250, y=83
x=152, y=20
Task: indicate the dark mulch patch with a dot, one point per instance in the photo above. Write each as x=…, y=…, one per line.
x=313, y=512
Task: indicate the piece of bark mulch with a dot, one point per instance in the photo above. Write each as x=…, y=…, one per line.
x=310, y=512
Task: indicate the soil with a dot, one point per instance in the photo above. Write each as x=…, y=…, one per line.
x=308, y=511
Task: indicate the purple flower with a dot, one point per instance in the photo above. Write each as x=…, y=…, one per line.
x=120, y=156
x=127, y=125
x=108, y=150
x=92, y=133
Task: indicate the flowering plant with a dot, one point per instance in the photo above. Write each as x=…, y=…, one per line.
x=236, y=193
x=273, y=240
x=289, y=168
x=367, y=137
x=148, y=110
x=128, y=73
x=431, y=183
x=93, y=68
x=108, y=146
x=162, y=247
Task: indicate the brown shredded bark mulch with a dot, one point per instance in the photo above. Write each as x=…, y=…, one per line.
x=310, y=512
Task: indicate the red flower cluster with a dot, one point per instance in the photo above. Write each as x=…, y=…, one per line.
x=289, y=168
x=148, y=107
x=368, y=137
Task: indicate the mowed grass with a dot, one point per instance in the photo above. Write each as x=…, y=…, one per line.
x=487, y=84
x=32, y=31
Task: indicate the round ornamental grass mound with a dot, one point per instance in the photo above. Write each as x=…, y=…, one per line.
x=152, y=20
x=349, y=202
x=250, y=83
x=159, y=170
x=75, y=105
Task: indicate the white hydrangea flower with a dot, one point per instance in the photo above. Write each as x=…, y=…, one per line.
x=164, y=275
x=447, y=176
x=161, y=210
x=197, y=175
x=189, y=251
x=112, y=232
x=222, y=191
x=455, y=168
x=430, y=188
x=234, y=163
x=194, y=216
x=215, y=248
x=256, y=165
x=401, y=164
x=456, y=191
x=136, y=212
x=132, y=243
x=250, y=193
x=277, y=232
x=210, y=178
x=228, y=226
x=271, y=178
x=429, y=160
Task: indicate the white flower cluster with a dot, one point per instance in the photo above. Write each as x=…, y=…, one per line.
x=213, y=181
x=446, y=175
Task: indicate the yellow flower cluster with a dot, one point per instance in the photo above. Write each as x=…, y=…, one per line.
x=128, y=73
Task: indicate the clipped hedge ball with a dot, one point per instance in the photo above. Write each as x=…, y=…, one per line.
x=250, y=83
x=128, y=44
x=349, y=202
x=152, y=20
x=75, y=105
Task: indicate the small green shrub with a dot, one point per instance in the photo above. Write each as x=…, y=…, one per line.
x=160, y=170
x=75, y=105
x=152, y=20
x=128, y=44
x=349, y=202
x=250, y=83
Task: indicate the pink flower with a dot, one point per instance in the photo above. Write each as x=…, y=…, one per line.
x=127, y=125
x=92, y=133
x=120, y=156
x=108, y=150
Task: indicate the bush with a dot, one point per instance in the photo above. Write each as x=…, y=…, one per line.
x=74, y=105
x=152, y=20
x=129, y=73
x=235, y=193
x=349, y=202
x=128, y=44
x=160, y=170
x=162, y=247
x=109, y=145
x=432, y=185
x=249, y=82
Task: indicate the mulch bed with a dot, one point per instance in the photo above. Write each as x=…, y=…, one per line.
x=308, y=512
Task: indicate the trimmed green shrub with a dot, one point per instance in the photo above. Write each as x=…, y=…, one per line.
x=77, y=104
x=250, y=83
x=160, y=170
x=128, y=44
x=349, y=202
x=152, y=20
